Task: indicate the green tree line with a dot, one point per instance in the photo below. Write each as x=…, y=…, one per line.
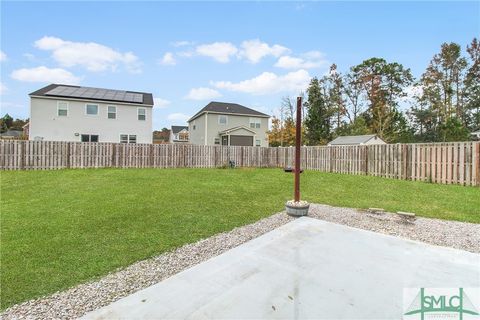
x=383, y=98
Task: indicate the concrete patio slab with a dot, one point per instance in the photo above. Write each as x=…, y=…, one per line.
x=306, y=269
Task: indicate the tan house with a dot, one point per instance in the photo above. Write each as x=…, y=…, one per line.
x=366, y=139
x=230, y=124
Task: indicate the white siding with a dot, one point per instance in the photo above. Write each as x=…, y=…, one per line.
x=45, y=122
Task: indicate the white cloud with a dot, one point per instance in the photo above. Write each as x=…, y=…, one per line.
x=44, y=74
x=161, y=103
x=178, y=117
x=3, y=88
x=268, y=82
x=220, y=51
x=312, y=59
x=168, y=59
x=182, y=43
x=202, y=94
x=3, y=56
x=186, y=54
x=255, y=50
x=93, y=56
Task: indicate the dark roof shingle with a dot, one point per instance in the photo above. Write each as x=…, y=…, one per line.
x=231, y=108
x=177, y=129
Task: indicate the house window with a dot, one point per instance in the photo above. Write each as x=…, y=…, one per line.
x=255, y=123
x=142, y=114
x=112, y=112
x=62, y=109
x=91, y=109
x=222, y=119
x=216, y=141
x=257, y=143
x=89, y=138
x=128, y=138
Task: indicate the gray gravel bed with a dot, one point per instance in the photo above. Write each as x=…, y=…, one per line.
x=454, y=234
x=83, y=298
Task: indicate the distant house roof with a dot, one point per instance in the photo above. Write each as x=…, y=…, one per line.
x=353, y=140
x=230, y=108
x=97, y=94
x=177, y=129
x=12, y=133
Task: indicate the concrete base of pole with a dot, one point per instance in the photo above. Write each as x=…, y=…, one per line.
x=297, y=210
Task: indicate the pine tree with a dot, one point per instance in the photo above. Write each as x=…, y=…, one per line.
x=317, y=121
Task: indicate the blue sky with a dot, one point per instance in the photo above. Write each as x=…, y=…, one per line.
x=189, y=53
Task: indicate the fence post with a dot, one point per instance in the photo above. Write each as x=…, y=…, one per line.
x=150, y=156
x=366, y=160
x=114, y=153
x=241, y=156
x=331, y=158
x=22, y=160
x=68, y=154
x=477, y=163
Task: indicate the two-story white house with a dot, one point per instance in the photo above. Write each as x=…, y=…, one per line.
x=72, y=113
x=230, y=124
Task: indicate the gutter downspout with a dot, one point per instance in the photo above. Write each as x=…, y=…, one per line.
x=206, y=131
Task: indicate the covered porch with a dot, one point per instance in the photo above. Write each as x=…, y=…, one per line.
x=238, y=136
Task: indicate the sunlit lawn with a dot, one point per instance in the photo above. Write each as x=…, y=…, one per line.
x=61, y=228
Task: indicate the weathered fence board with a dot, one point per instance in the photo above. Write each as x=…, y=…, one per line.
x=446, y=163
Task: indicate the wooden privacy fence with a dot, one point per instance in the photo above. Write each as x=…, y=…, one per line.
x=447, y=163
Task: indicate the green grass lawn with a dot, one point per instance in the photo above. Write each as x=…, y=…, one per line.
x=61, y=228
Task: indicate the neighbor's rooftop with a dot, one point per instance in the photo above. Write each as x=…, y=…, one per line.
x=343, y=140
x=96, y=94
x=177, y=129
x=230, y=108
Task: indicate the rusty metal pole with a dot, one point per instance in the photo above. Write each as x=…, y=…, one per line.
x=298, y=141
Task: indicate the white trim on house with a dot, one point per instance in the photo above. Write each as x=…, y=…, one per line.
x=58, y=108
x=144, y=113
x=128, y=138
x=108, y=112
x=257, y=122
x=228, y=131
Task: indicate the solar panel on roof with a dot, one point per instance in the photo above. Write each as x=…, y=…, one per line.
x=99, y=94
x=96, y=93
x=68, y=90
x=56, y=90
